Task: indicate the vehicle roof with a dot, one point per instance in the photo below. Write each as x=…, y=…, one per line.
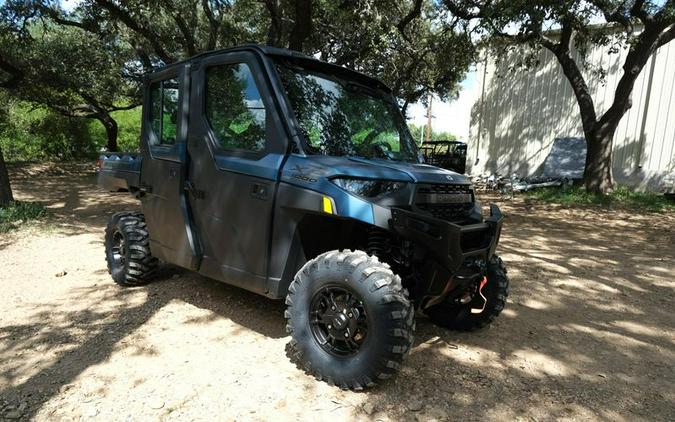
x=290, y=55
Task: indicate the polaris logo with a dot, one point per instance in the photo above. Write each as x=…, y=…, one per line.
x=449, y=177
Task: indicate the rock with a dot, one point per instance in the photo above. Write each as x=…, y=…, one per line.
x=175, y=276
x=415, y=405
x=369, y=408
x=23, y=406
x=61, y=274
x=13, y=414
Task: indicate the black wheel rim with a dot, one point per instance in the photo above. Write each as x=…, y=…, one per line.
x=338, y=320
x=119, y=251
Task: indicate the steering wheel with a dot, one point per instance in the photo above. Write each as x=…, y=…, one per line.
x=382, y=148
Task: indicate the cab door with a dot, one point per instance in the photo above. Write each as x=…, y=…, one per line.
x=163, y=146
x=236, y=147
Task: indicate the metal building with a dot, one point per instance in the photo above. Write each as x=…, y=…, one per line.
x=517, y=115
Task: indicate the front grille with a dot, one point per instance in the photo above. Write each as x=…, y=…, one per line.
x=445, y=202
x=447, y=212
x=444, y=189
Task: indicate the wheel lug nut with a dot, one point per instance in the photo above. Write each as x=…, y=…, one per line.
x=330, y=326
x=346, y=334
x=332, y=308
x=351, y=315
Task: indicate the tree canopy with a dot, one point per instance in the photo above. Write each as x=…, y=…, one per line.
x=406, y=44
x=89, y=61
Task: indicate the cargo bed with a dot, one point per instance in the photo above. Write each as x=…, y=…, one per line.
x=119, y=172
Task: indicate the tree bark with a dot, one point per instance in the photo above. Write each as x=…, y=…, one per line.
x=598, y=175
x=303, y=25
x=111, y=131
x=5, y=188
x=274, y=31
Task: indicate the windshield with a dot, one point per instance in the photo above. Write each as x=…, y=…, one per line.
x=343, y=118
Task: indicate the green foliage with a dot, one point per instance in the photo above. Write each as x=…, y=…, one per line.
x=621, y=197
x=88, y=61
x=129, y=126
x=18, y=213
x=419, y=132
x=29, y=132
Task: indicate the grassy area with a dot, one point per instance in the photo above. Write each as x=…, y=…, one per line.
x=622, y=197
x=18, y=213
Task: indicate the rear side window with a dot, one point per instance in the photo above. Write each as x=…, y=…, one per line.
x=164, y=110
x=234, y=107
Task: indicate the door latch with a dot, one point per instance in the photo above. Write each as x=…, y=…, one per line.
x=190, y=188
x=143, y=189
x=259, y=190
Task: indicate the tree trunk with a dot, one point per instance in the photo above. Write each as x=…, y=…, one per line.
x=303, y=25
x=111, y=131
x=5, y=189
x=598, y=176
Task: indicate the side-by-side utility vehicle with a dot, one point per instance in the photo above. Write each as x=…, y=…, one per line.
x=298, y=180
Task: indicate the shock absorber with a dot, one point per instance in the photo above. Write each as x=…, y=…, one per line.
x=378, y=242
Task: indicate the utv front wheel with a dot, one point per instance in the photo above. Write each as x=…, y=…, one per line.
x=350, y=320
x=127, y=249
x=461, y=317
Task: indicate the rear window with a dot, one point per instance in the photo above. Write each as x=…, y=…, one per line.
x=164, y=110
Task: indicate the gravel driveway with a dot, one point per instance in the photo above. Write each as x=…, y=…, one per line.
x=588, y=334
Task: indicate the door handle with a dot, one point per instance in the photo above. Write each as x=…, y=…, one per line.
x=190, y=188
x=259, y=190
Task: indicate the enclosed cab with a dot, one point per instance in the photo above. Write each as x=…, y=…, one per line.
x=299, y=180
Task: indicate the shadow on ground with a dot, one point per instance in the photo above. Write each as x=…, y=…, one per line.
x=588, y=331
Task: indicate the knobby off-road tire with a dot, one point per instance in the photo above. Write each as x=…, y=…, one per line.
x=366, y=292
x=459, y=317
x=127, y=249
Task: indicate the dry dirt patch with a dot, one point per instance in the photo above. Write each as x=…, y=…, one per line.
x=588, y=333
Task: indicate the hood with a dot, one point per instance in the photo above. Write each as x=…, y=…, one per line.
x=315, y=167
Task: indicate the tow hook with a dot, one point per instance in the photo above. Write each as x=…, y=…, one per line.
x=476, y=310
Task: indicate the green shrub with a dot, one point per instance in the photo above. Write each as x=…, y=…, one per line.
x=128, y=126
x=621, y=197
x=17, y=213
x=32, y=133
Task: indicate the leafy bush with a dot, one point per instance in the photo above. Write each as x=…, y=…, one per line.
x=18, y=213
x=31, y=133
x=621, y=197
x=129, y=130
x=419, y=132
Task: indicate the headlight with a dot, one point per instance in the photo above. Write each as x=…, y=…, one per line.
x=368, y=188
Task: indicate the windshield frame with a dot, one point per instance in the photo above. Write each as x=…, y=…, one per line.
x=344, y=77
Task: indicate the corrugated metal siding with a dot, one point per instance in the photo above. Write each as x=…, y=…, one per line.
x=520, y=113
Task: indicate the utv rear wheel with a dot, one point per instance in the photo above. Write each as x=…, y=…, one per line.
x=460, y=317
x=350, y=320
x=127, y=249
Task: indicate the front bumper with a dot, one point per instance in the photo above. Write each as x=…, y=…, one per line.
x=452, y=245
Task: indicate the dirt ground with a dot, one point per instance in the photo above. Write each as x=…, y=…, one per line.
x=588, y=333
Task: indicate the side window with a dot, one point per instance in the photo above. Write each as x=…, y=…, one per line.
x=164, y=110
x=234, y=107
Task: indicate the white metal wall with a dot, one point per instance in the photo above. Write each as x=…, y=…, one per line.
x=518, y=115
